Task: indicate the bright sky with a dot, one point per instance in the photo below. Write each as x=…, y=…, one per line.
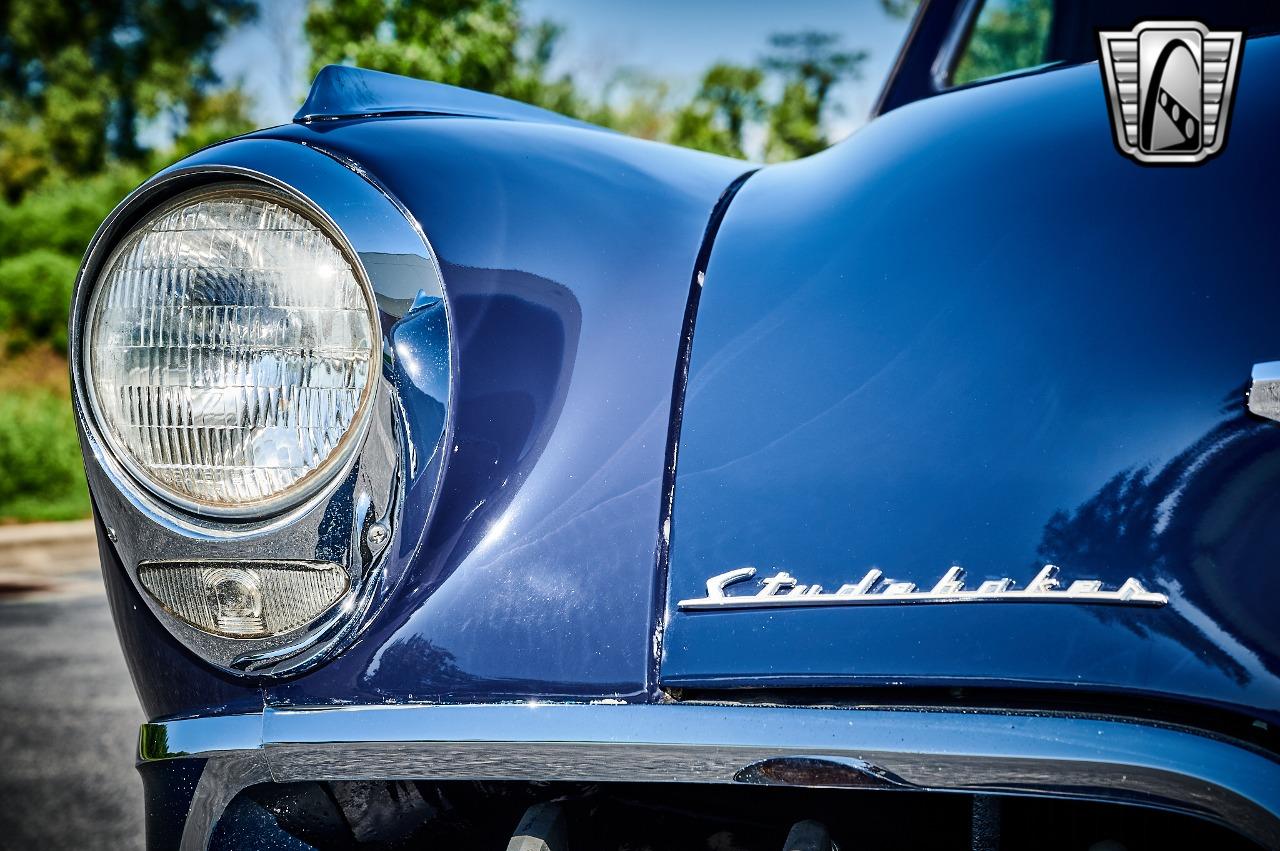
x=672, y=39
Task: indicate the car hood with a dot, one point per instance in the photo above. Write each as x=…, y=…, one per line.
x=975, y=335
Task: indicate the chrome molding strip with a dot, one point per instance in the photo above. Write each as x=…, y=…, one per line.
x=202, y=737
x=924, y=749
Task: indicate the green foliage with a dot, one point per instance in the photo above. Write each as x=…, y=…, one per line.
x=636, y=104
x=810, y=64
x=63, y=214
x=78, y=79
x=460, y=43
x=694, y=126
x=35, y=297
x=716, y=118
x=814, y=60
x=212, y=118
x=487, y=45
x=42, y=238
x=1009, y=35
x=794, y=125
x=476, y=44
x=43, y=476
x=77, y=75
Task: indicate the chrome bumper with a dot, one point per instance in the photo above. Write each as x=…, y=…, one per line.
x=924, y=749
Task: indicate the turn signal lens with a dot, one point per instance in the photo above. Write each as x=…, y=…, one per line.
x=230, y=351
x=252, y=599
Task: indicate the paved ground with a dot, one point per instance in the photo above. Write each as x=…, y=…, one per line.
x=68, y=722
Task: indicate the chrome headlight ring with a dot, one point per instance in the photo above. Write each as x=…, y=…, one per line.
x=215, y=331
x=345, y=517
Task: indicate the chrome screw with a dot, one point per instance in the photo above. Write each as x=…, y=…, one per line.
x=377, y=536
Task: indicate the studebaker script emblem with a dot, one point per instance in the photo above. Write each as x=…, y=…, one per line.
x=782, y=589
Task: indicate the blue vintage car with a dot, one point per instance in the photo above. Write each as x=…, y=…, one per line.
x=468, y=475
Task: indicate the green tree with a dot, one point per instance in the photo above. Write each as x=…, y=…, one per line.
x=35, y=297
x=810, y=64
x=634, y=103
x=1009, y=35
x=208, y=118
x=40, y=455
x=477, y=44
x=795, y=125
x=78, y=76
x=79, y=82
x=715, y=120
x=487, y=45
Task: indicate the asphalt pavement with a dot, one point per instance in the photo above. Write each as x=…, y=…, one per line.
x=68, y=721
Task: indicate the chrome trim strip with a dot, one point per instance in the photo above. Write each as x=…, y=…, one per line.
x=943, y=750
x=202, y=737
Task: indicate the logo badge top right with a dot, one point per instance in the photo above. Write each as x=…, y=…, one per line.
x=1169, y=88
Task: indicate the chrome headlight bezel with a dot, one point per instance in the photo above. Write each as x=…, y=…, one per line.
x=351, y=519
x=339, y=459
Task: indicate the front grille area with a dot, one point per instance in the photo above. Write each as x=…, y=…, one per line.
x=459, y=815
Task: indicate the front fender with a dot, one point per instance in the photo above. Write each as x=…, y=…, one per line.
x=566, y=256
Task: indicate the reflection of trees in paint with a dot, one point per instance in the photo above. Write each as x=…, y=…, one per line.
x=419, y=660
x=1201, y=527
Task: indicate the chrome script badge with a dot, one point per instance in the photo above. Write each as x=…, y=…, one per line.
x=1169, y=87
x=781, y=589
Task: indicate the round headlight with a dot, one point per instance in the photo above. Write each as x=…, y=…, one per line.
x=230, y=351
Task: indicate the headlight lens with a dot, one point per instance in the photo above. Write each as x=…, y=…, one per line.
x=230, y=351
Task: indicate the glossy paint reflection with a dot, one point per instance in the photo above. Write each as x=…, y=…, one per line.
x=567, y=257
x=1201, y=521
x=911, y=356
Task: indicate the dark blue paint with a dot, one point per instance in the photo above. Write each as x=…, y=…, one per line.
x=169, y=679
x=567, y=257
x=247, y=823
x=974, y=334
x=168, y=787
